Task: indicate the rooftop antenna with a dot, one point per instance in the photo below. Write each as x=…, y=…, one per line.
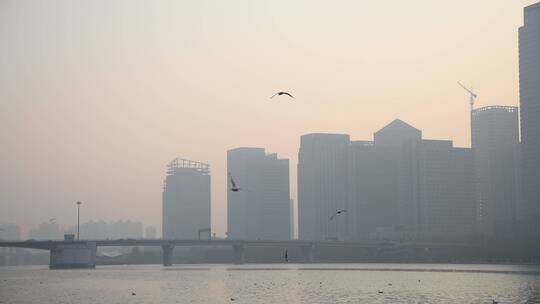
x=472, y=95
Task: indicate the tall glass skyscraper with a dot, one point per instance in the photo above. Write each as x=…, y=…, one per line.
x=529, y=85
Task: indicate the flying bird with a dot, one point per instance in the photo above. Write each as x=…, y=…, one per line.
x=337, y=213
x=281, y=93
x=234, y=187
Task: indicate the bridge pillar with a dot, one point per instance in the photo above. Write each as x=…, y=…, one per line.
x=167, y=254
x=238, y=254
x=307, y=253
x=75, y=255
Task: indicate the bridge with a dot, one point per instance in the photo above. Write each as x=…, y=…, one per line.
x=82, y=254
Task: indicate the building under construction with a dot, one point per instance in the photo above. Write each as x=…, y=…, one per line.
x=186, y=199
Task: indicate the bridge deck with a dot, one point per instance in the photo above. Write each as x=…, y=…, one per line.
x=47, y=245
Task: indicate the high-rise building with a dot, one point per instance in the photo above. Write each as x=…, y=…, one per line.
x=322, y=186
x=260, y=208
x=405, y=142
x=440, y=178
x=495, y=144
x=419, y=187
x=186, y=199
x=529, y=85
x=372, y=189
x=398, y=185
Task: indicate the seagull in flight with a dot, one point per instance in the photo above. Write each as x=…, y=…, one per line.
x=234, y=187
x=338, y=213
x=282, y=93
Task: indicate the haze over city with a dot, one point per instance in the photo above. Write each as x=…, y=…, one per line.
x=97, y=97
x=300, y=151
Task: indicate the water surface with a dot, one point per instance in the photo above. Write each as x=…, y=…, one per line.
x=273, y=283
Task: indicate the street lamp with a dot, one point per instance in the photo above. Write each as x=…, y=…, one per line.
x=78, y=218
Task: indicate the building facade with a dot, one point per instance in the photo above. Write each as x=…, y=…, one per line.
x=529, y=87
x=186, y=199
x=260, y=209
x=372, y=189
x=322, y=185
x=434, y=189
x=405, y=142
x=444, y=186
x=396, y=186
x=495, y=144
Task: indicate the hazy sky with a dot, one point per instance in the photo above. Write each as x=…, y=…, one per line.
x=96, y=97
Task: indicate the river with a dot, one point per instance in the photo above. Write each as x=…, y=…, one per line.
x=273, y=283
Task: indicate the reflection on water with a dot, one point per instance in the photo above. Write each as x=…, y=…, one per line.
x=280, y=283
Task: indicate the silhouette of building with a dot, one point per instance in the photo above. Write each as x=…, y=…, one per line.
x=261, y=208
x=495, y=144
x=401, y=143
x=186, y=199
x=398, y=185
x=10, y=232
x=529, y=84
x=322, y=185
x=92, y=230
x=150, y=232
x=47, y=231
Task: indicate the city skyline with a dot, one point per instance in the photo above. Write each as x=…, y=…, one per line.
x=270, y=151
x=94, y=152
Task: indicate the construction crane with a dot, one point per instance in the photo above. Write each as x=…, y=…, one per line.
x=472, y=95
